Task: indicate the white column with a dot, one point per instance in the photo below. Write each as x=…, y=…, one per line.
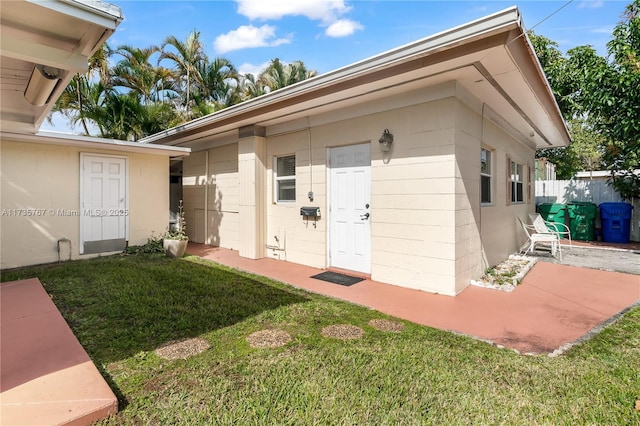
x=252, y=171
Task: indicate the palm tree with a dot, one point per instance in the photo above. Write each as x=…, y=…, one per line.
x=188, y=58
x=278, y=75
x=71, y=102
x=159, y=97
x=79, y=97
x=135, y=72
x=99, y=64
x=219, y=82
x=122, y=116
x=167, y=85
x=250, y=87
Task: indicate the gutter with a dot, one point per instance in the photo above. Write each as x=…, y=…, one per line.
x=94, y=11
x=87, y=142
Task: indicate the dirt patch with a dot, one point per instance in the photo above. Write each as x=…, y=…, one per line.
x=270, y=338
x=182, y=349
x=343, y=332
x=387, y=325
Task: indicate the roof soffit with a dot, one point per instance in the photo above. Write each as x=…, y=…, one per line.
x=57, y=33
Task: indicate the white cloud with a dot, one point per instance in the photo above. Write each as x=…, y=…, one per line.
x=479, y=9
x=591, y=4
x=602, y=30
x=247, y=68
x=326, y=11
x=329, y=12
x=343, y=28
x=247, y=36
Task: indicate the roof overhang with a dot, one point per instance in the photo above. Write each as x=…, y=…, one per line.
x=88, y=142
x=60, y=35
x=491, y=58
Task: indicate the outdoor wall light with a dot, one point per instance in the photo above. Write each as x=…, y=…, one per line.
x=385, y=141
x=41, y=84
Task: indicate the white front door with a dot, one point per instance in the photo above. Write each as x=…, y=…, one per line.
x=103, y=203
x=349, y=204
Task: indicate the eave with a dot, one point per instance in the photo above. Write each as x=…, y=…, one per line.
x=490, y=57
x=93, y=143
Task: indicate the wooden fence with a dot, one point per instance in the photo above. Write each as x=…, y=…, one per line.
x=595, y=191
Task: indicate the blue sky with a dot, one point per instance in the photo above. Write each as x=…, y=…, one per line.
x=329, y=34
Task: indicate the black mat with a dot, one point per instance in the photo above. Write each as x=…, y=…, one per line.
x=336, y=278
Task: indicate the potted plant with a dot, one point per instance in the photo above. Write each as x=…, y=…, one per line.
x=175, y=239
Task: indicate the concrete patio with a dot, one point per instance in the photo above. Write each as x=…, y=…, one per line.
x=555, y=305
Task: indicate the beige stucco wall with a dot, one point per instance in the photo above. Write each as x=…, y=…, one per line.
x=304, y=242
x=488, y=234
x=413, y=197
x=222, y=193
x=412, y=194
x=46, y=178
x=500, y=231
x=428, y=230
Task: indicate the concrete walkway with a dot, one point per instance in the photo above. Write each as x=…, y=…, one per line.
x=46, y=377
x=555, y=304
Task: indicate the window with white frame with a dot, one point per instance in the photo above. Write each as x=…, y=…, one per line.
x=517, y=182
x=486, y=170
x=285, y=178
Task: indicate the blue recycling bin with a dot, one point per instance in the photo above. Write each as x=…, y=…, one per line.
x=616, y=222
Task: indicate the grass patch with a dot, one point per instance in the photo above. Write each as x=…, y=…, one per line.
x=123, y=307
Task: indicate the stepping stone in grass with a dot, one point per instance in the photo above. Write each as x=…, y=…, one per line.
x=182, y=349
x=343, y=332
x=387, y=325
x=270, y=338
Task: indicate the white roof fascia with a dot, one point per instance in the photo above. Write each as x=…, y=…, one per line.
x=87, y=142
x=601, y=173
x=543, y=78
x=595, y=173
x=498, y=21
x=534, y=56
x=98, y=12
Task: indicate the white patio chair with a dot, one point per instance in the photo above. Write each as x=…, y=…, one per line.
x=542, y=226
x=552, y=238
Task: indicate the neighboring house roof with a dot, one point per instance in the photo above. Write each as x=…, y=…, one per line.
x=59, y=35
x=593, y=174
x=491, y=58
x=599, y=174
x=90, y=142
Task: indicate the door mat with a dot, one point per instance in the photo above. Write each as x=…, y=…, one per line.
x=336, y=278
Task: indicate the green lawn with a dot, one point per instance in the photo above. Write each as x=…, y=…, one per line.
x=123, y=307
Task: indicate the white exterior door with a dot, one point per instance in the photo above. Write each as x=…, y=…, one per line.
x=349, y=204
x=103, y=203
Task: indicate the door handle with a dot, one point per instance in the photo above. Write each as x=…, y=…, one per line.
x=364, y=216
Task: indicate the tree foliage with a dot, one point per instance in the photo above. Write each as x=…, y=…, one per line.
x=147, y=90
x=613, y=102
x=600, y=99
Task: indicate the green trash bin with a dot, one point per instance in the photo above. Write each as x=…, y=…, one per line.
x=582, y=220
x=554, y=213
